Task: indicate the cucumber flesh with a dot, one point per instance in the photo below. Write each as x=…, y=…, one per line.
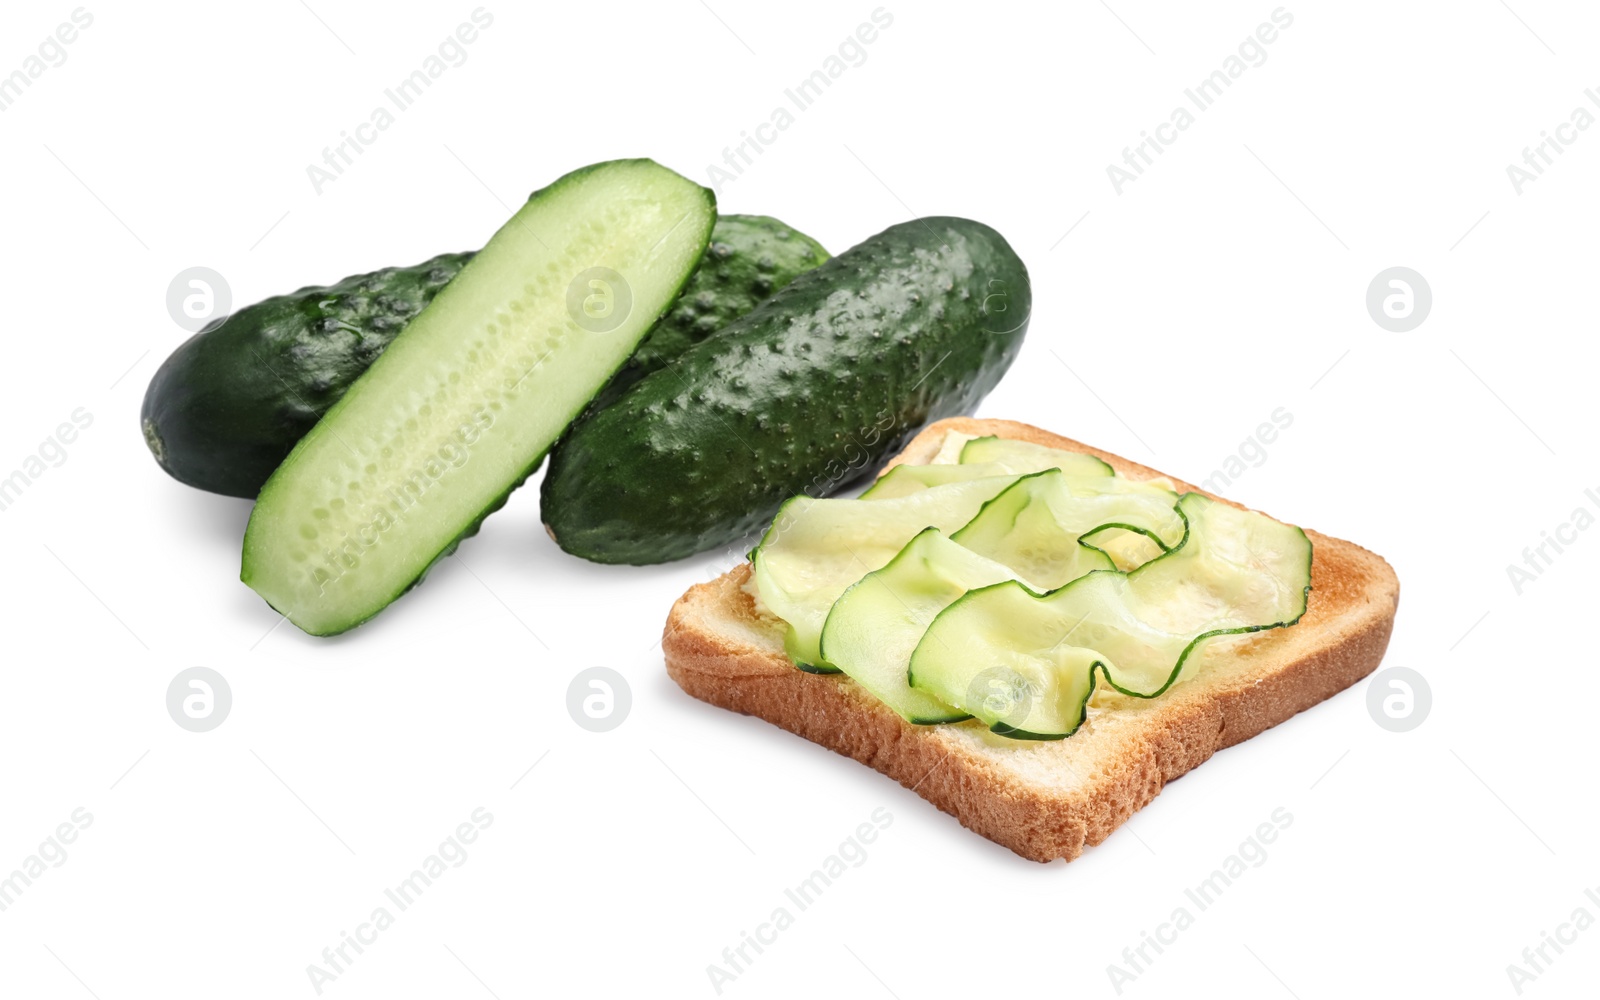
x=1023, y=457
x=1034, y=532
x=874, y=627
x=903, y=480
x=467, y=400
x=824, y=546
x=962, y=458
x=815, y=549
x=1053, y=528
x=1026, y=665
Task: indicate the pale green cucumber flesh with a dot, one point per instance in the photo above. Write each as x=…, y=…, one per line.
x=1052, y=528
x=1034, y=532
x=467, y=400
x=903, y=480
x=980, y=457
x=817, y=548
x=1022, y=457
x=1027, y=665
x=874, y=627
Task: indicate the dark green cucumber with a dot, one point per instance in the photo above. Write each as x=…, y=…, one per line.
x=464, y=404
x=227, y=406
x=804, y=394
x=750, y=257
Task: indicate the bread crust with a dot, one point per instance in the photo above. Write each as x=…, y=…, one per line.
x=1048, y=799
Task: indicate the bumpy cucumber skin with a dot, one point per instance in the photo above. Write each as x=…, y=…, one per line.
x=807, y=392
x=228, y=405
x=494, y=506
x=750, y=257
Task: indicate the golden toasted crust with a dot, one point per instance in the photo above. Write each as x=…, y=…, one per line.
x=1046, y=800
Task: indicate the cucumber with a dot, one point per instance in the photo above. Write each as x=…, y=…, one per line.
x=815, y=549
x=457, y=413
x=1026, y=665
x=1025, y=457
x=1053, y=528
x=228, y=405
x=814, y=387
x=904, y=480
x=750, y=257
x=980, y=457
x=874, y=627
x=1036, y=532
x=225, y=408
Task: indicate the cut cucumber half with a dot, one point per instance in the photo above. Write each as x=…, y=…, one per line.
x=1026, y=665
x=1053, y=528
x=1022, y=457
x=467, y=400
x=815, y=549
x=875, y=625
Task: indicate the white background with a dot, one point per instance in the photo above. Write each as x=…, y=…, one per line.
x=1169, y=321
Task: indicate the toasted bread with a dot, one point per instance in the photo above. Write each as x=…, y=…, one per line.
x=1046, y=800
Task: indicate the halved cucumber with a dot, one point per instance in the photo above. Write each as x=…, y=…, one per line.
x=466, y=401
x=875, y=625
x=1053, y=528
x=817, y=548
x=1026, y=665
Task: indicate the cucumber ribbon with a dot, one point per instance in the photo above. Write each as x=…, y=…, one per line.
x=1009, y=597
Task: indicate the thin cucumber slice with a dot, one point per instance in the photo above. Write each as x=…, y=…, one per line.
x=875, y=625
x=817, y=548
x=949, y=452
x=903, y=480
x=1031, y=532
x=1026, y=665
x=1053, y=528
x=467, y=400
x=979, y=457
x=1022, y=457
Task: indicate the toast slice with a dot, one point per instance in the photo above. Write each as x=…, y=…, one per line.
x=1046, y=800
